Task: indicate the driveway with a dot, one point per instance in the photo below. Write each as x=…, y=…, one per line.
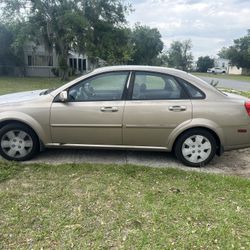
x=238, y=85
x=231, y=163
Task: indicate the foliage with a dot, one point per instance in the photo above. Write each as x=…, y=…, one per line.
x=11, y=53
x=55, y=72
x=214, y=83
x=147, y=45
x=204, y=63
x=112, y=44
x=68, y=25
x=239, y=53
x=179, y=55
x=223, y=53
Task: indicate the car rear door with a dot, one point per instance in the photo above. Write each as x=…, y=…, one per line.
x=93, y=114
x=157, y=104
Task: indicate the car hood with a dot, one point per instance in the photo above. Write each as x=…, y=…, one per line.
x=20, y=97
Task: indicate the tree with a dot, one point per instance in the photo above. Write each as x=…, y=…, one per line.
x=223, y=53
x=11, y=53
x=239, y=53
x=147, y=44
x=179, y=55
x=112, y=44
x=68, y=25
x=204, y=63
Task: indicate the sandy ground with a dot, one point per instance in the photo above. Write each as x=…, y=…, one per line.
x=235, y=162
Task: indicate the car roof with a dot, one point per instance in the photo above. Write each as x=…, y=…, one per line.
x=165, y=70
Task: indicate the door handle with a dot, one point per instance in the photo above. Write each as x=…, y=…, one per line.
x=109, y=109
x=177, y=108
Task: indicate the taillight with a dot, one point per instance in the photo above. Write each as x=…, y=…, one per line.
x=247, y=106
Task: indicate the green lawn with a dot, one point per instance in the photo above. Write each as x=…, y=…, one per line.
x=121, y=207
x=15, y=84
x=229, y=77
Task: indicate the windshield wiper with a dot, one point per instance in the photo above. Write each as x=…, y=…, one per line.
x=47, y=91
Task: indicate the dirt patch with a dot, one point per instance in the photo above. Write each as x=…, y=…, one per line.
x=235, y=162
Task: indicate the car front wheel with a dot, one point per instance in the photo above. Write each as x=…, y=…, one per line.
x=18, y=142
x=195, y=147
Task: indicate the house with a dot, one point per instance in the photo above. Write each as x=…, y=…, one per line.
x=222, y=63
x=230, y=69
x=40, y=62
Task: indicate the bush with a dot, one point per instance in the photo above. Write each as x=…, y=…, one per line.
x=55, y=71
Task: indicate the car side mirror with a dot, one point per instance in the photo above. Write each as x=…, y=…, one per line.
x=63, y=96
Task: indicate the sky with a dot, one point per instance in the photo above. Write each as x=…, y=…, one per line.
x=209, y=24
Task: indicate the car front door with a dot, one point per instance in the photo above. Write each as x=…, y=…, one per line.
x=158, y=104
x=93, y=112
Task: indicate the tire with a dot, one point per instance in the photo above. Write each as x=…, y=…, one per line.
x=195, y=148
x=18, y=142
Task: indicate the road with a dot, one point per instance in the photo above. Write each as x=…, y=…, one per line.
x=225, y=83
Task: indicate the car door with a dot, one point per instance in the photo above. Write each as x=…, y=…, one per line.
x=158, y=104
x=93, y=112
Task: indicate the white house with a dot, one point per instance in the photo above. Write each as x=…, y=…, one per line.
x=230, y=69
x=40, y=62
x=221, y=63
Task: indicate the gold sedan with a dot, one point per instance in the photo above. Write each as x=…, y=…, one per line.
x=127, y=107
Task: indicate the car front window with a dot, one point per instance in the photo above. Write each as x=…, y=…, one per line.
x=104, y=87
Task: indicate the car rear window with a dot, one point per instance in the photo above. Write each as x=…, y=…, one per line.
x=193, y=91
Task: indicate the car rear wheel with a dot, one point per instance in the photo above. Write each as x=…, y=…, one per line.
x=18, y=142
x=195, y=147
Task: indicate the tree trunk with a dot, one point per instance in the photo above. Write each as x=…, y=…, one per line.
x=63, y=66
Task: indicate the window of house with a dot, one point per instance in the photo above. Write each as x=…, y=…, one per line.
x=75, y=63
x=153, y=86
x=40, y=60
x=84, y=64
x=71, y=62
x=80, y=64
x=29, y=60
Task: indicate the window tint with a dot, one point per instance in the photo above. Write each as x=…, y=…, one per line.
x=105, y=87
x=193, y=91
x=153, y=86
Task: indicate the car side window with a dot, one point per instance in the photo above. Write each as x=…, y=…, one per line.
x=193, y=91
x=104, y=87
x=154, y=86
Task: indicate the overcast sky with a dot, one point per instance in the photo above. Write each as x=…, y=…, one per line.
x=209, y=24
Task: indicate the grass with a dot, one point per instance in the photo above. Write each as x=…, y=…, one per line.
x=16, y=84
x=121, y=207
x=237, y=92
x=224, y=76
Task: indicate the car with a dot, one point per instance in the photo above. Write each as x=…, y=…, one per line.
x=216, y=70
x=127, y=107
